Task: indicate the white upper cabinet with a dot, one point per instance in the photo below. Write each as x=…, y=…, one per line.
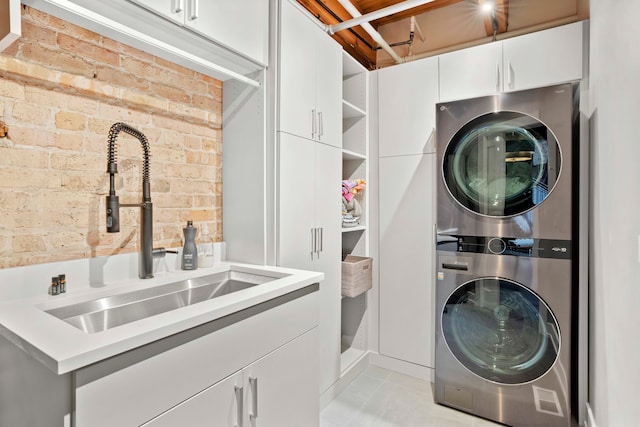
x=543, y=58
x=533, y=60
x=310, y=79
x=407, y=95
x=242, y=26
x=472, y=72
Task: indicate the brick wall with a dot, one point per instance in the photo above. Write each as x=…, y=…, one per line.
x=61, y=89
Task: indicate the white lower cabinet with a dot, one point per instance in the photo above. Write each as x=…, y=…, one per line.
x=257, y=367
x=309, y=236
x=407, y=199
x=272, y=392
x=217, y=405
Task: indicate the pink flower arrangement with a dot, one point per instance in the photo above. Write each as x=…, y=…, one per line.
x=352, y=187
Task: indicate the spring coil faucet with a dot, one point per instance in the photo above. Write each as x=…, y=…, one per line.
x=146, y=208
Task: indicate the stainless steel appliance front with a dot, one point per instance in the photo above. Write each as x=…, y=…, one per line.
x=503, y=337
x=506, y=164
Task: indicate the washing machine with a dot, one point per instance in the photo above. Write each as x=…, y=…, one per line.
x=503, y=333
x=506, y=248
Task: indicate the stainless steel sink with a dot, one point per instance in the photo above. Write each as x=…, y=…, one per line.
x=108, y=312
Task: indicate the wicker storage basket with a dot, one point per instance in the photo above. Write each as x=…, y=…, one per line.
x=356, y=275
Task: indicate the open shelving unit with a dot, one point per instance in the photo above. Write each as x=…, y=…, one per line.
x=355, y=154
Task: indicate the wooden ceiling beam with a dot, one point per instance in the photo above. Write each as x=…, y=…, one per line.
x=379, y=4
x=356, y=41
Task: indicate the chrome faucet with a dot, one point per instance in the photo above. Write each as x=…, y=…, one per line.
x=145, y=262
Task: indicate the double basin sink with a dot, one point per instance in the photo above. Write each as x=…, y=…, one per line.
x=104, y=313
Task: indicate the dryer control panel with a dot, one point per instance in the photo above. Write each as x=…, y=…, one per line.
x=515, y=246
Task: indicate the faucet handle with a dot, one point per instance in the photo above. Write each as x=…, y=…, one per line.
x=113, y=214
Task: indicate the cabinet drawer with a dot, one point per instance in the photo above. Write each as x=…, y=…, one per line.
x=134, y=387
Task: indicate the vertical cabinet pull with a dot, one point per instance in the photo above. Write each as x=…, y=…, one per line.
x=194, y=10
x=497, y=77
x=320, y=125
x=253, y=384
x=177, y=6
x=313, y=124
x=321, y=239
x=313, y=242
x=239, y=406
x=509, y=74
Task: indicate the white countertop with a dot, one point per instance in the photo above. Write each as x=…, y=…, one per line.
x=64, y=348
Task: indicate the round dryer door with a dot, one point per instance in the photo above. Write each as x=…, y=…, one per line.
x=501, y=331
x=501, y=164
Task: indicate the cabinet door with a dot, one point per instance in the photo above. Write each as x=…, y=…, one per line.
x=407, y=198
x=217, y=405
x=296, y=201
x=239, y=25
x=171, y=9
x=407, y=95
x=472, y=72
x=281, y=389
x=328, y=218
x=328, y=55
x=543, y=58
x=297, y=72
x=10, y=22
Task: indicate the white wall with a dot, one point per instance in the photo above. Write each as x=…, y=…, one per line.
x=615, y=207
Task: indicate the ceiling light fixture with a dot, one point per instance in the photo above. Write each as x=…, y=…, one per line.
x=487, y=6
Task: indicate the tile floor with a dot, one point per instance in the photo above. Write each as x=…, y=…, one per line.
x=382, y=398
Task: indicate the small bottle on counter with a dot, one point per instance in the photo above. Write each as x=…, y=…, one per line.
x=62, y=283
x=205, y=248
x=55, y=286
x=190, y=250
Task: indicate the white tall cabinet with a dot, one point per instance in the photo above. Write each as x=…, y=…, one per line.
x=309, y=169
x=309, y=79
x=407, y=95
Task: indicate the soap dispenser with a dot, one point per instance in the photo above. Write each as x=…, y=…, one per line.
x=190, y=250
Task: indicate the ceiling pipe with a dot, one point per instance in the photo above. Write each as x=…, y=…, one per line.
x=354, y=12
x=377, y=14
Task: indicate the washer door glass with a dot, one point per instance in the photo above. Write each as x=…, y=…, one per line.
x=501, y=164
x=501, y=331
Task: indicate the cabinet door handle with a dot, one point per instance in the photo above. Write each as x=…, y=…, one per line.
x=321, y=239
x=194, y=9
x=253, y=383
x=313, y=124
x=239, y=406
x=177, y=6
x=509, y=74
x=313, y=242
x=320, y=125
x=497, y=77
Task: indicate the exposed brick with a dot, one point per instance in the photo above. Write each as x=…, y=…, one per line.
x=32, y=114
x=57, y=59
x=11, y=89
x=22, y=156
x=121, y=78
x=86, y=49
x=69, y=141
x=169, y=92
x=28, y=243
x=70, y=121
x=53, y=166
x=42, y=35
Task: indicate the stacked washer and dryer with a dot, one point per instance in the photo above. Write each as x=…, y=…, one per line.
x=506, y=256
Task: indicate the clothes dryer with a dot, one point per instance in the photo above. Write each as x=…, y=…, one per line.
x=507, y=164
